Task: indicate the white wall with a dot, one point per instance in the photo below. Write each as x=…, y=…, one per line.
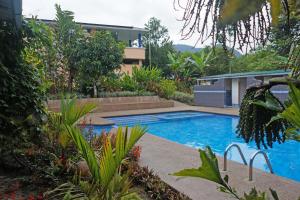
x=235, y=92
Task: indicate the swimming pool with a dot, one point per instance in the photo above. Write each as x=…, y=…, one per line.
x=198, y=130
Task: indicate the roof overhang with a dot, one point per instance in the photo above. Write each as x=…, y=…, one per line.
x=124, y=32
x=11, y=10
x=247, y=74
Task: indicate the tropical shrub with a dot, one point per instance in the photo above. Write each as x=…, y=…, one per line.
x=128, y=83
x=107, y=181
x=167, y=88
x=147, y=78
x=185, y=87
x=183, y=97
x=109, y=83
x=69, y=115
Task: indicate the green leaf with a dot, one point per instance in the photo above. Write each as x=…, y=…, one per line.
x=270, y=103
x=86, y=151
x=109, y=162
x=209, y=169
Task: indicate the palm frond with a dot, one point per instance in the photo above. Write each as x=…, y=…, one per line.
x=109, y=163
x=66, y=191
x=86, y=151
x=71, y=112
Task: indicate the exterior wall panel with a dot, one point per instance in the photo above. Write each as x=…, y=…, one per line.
x=210, y=95
x=235, y=92
x=127, y=69
x=134, y=53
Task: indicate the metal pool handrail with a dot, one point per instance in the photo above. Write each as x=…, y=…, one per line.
x=226, y=152
x=251, y=163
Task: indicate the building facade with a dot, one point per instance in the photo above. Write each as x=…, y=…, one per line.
x=134, y=53
x=227, y=90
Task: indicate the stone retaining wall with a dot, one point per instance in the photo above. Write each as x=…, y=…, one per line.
x=119, y=103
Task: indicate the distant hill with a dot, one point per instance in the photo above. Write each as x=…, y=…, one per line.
x=184, y=48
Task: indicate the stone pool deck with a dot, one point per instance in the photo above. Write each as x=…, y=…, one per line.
x=166, y=157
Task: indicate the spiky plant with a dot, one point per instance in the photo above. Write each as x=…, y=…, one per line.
x=107, y=182
x=69, y=115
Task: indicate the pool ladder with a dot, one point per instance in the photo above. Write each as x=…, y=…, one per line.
x=253, y=156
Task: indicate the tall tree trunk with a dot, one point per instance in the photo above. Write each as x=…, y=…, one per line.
x=95, y=90
x=71, y=79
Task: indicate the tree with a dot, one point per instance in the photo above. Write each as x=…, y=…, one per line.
x=101, y=55
x=158, y=39
x=69, y=37
x=260, y=60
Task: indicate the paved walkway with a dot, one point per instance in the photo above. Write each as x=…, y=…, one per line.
x=166, y=157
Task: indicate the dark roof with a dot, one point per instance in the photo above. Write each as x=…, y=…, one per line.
x=100, y=26
x=247, y=74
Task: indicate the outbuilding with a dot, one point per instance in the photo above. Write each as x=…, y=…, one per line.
x=227, y=90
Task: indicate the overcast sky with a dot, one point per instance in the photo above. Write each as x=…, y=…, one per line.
x=116, y=12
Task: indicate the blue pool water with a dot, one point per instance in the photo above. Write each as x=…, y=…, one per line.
x=198, y=130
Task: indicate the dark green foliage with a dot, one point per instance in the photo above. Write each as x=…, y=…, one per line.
x=153, y=185
x=21, y=100
x=260, y=60
x=254, y=119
